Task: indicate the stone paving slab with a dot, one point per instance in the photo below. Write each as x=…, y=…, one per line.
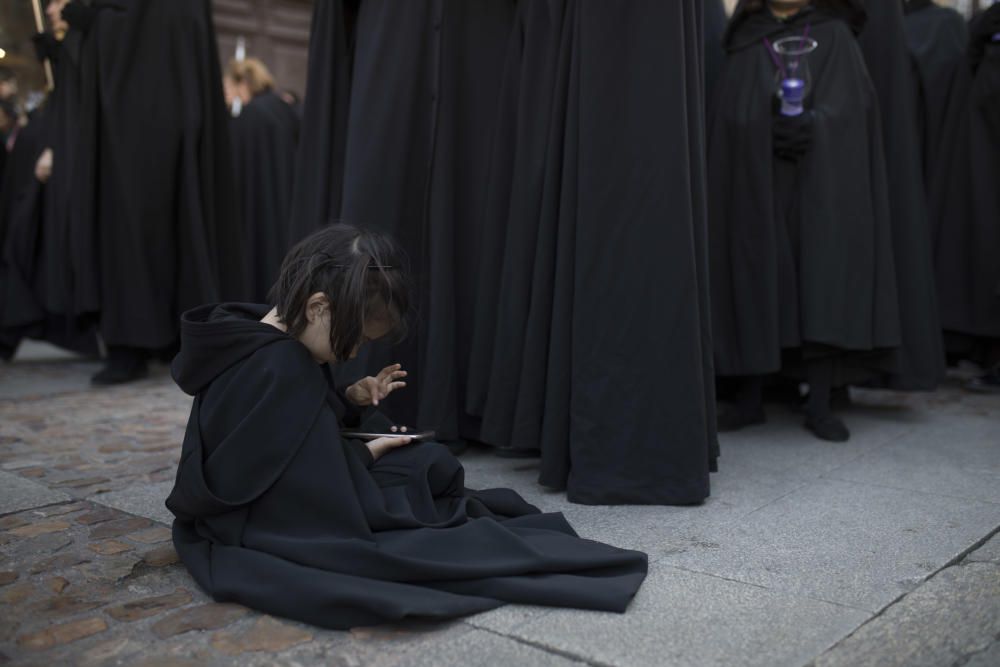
x=18, y=493
x=685, y=618
x=988, y=552
x=846, y=543
x=953, y=616
x=141, y=499
x=956, y=456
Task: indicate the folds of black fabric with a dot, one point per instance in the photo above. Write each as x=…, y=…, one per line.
x=398, y=143
x=264, y=138
x=155, y=231
x=920, y=358
x=937, y=38
x=37, y=265
x=275, y=512
x=802, y=253
x=965, y=198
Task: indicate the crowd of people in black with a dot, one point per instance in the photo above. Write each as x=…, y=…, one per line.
x=613, y=214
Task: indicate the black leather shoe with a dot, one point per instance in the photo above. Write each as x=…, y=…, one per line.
x=829, y=428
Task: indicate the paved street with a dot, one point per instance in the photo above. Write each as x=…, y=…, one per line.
x=880, y=551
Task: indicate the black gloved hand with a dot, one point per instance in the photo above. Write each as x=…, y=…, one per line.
x=79, y=16
x=793, y=135
x=46, y=45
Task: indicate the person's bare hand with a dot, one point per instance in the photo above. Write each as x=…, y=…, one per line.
x=370, y=390
x=382, y=445
x=43, y=167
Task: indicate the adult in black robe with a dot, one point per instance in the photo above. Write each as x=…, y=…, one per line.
x=400, y=104
x=967, y=206
x=38, y=268
x=937, y=38
x=155, y=230
x=803, y=271
x=921, y=359
x=577, y=352
x=277, y=512
x=264, y=137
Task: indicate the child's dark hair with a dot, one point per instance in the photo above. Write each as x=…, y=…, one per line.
x=362, y=273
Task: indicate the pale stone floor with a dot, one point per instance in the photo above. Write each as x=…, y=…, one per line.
x=880, y=551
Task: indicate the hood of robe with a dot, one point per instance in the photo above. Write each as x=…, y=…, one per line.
x=214, y=337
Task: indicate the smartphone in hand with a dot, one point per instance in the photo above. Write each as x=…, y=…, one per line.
x=415, y=436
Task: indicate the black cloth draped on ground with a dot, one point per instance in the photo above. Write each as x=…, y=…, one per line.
x=801, y=253
x=920, y=362
x=275, y=511
x=154, y=230
x=264, y=138
x=937, y=38
x=398, y=116
x=966, y=198
x=37, y=266
x=541, y=240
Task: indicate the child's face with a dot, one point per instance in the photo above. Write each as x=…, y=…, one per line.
x=316, y=336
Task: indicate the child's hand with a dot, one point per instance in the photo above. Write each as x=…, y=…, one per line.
x=370, y=390
x=383, y=445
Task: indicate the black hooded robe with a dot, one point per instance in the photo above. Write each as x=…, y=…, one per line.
x=920, y=362
x=155, y=231
x=275, y=511
x=937, y=38
x=264, y=138
x=801, y=254
x=967, y=201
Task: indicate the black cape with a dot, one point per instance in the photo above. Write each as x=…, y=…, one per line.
x=264, y=138
x=802, y=254
x=937, y=38
x=275, y=511
x=397, y=143
x=155, y=230
x=37, y=266
x=920, y=360
x=966, y=198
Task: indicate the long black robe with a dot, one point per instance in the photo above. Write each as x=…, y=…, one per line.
x=264, y=138
x=920, y=359
x=573, y=353
x=275, y=511
x=715, y=54
x=967, y=203
x=38, y=269
x=801, y=255
x=937, y=38
x=400, y=104
x=155, y=231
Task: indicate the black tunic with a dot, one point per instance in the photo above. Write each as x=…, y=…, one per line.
x=966, y=197
x=155, y=231
x=920, y=359
x=937, y=38
x=802, y=255
x=275, y=511
x=264, y=137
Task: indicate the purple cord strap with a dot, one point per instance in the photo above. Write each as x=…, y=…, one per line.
x=774, y=56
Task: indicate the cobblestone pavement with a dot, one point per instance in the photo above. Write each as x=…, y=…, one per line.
x=878, y=551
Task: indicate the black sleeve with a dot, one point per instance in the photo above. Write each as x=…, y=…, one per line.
x=361, y=451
